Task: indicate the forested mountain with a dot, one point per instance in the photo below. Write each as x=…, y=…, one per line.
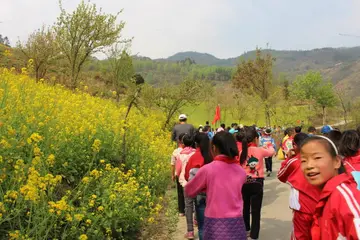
x=336, y=64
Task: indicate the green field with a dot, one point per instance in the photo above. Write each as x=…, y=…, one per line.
x=288, y=116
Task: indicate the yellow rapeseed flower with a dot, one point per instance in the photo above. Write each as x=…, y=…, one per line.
x=96, y=145
x=83, y=237
x=79, y=217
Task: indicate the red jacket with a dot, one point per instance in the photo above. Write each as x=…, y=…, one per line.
x=337, y=214
x=352, y=163
x=303, y=196
x=195, y=161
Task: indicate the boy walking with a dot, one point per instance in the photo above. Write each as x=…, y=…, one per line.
x=264, y=141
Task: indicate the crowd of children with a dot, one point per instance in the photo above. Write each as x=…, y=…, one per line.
x=220, y=180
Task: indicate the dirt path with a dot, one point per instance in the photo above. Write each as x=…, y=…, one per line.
x=276, y=215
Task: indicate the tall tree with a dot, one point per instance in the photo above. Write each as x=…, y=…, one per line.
x=254, y=77
x=305, y=87
x=344, y=100
x=326, y=98
x=172, y=98
x=41, y=48
x=121, y=70
x=83, y=32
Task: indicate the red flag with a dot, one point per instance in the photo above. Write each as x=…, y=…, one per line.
x=217, y=116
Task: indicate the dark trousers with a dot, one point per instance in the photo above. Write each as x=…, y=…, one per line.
x=200, y=205
x=180, y=194
x=268, y=163
x=253, y=195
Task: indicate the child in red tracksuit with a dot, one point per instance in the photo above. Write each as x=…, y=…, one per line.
x=337, y=214
x=303, y=196
x=349, y=148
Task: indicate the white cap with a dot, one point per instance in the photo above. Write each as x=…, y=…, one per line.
x=182, y=117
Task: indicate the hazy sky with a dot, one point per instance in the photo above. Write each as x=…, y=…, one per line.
x=224, y=28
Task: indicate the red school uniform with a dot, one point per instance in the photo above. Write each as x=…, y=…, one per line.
x=303, y=197
x=337, y=214
x=352, y=163
x=195, y=161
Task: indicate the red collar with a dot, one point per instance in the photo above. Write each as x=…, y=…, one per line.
x=224, y=158
x=252, y=144
x=331, y=185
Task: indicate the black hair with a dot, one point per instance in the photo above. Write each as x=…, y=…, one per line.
x=240, y=135
x=225, y=143
x=250, y=135
x=207, y=122
x=286, y=132
x=299, y=138
x=206, y=129
x=188, y=140
x=222, y=125
x=203, y=142
x=298, y=129
x=183, y=120
x=290, y=131
x=181, y=136
x=311, y=129
x=335, y=136
x=349, y=143
x=228, y=128
x=329, y=147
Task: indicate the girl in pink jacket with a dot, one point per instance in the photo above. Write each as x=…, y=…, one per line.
x=252, y=159
x=222, y=181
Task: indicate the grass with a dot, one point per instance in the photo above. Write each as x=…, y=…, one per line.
x=288, y=115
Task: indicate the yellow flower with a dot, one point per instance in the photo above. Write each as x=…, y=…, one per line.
x=88, y=222
x=95, y=173
x=151, y=220
x=14, y=235
x=83, y=237
x=112, y=197
x=51, y=160
x=69, y=217
x=96, y=145
x=35, y=137
x=79, y=217
x=102, y=161
x=85, y=180
x=93, y=196
x=4, y=144
x=100, y=208
x=91, y=203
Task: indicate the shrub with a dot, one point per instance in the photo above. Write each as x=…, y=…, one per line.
x=59, y=164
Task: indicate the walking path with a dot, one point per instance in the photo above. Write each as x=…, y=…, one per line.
x=276, y=215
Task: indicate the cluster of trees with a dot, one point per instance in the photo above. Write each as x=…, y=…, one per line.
x=67, y=47
x=4, y=40
x=69, y=44
x=254, y=78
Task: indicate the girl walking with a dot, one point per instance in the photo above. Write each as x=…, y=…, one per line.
x=303, y=195
x=175, y=171
x=201, y=157
x=222, y=181
x=184, y=157
x=337, y=214
x=252, y=160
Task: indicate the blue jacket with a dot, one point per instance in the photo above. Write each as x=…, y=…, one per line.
x=267, y=139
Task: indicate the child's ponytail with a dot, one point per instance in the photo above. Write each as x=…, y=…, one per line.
x=244, y=151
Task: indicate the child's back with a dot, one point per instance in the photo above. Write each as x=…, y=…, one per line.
x=223, y=200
